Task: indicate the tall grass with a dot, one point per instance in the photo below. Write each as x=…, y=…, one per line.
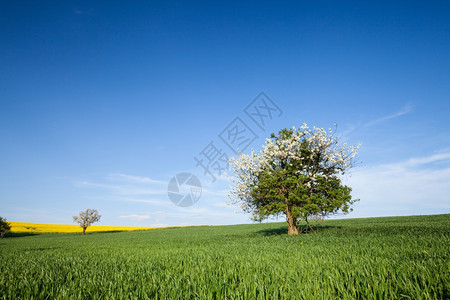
x=376, y=258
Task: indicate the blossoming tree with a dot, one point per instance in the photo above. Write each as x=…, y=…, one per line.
x=295, y=174
x=86, y=218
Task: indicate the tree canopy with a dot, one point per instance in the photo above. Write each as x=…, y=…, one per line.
x=4, y=226
x=297, y=173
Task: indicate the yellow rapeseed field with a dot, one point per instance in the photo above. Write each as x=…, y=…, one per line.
x=38, y=227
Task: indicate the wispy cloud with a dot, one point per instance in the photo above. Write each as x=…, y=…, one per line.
x=129, y=191
x=438, y=157
x=153, y=201
x=122, y=189
x=127, y=186
x=403, y=111
x=134, y=179
x=219, y=187
x=350, y=128
x=136, y=218
x=78, y=11
x=87, y=184
x=131, y=188
x=413, y=186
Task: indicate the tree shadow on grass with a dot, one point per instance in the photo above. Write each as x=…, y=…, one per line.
x=42, y=249
x=302, y=228
x=19, y=234
x=273, y=231
x=106, y=231
x=321, y=228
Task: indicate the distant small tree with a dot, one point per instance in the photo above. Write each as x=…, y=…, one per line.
x=4, y=227
x=86, y=218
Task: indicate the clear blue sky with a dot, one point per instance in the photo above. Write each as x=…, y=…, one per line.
x=102, y=103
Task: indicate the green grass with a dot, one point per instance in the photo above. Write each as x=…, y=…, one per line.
x=375, y=258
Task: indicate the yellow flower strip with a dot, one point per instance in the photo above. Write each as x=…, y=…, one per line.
x=38, y=227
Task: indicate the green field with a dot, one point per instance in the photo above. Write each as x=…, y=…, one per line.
x=375, y=258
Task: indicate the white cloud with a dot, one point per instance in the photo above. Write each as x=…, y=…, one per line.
x=137, y=218
x=429, y=159
x=123, y=189
x=87, y=184
x=127, y=185
x=409, y=187
x=419, y=185
x=134, y=179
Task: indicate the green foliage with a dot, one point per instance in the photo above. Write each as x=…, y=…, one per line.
x=280, y=188
x=374, y=258
x=4, y=226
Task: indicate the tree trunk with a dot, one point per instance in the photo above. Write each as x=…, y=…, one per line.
x=309, y=225
x=292, y=222
x=84, y=230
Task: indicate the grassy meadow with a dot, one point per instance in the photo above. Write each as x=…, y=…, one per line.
x=374, y=258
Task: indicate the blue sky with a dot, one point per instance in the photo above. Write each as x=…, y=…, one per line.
x=101, y=104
